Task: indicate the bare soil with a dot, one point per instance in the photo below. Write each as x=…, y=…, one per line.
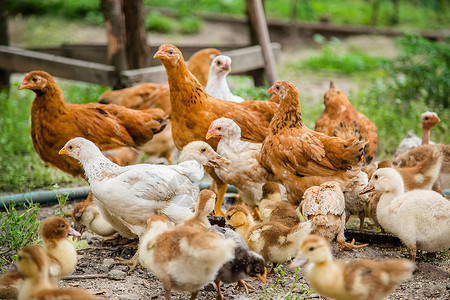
x=430, y=281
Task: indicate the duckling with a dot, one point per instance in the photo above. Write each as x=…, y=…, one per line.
x=205, y=205
x=273, y=208
x=87, y=215
x=184, y=258
x=54, y=232
x=420, y=218
x=34, y=264
x=361, y=279
x=324, y=205
x=246, y=263
x=275, y=242
x=63, y=257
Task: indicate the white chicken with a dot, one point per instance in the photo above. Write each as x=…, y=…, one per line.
x=420, y=218
x=128, y=196
x=245, y=171
x=217, y=85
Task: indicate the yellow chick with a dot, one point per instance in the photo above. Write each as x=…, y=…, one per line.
x=272, y=240
x=34, y=264
x=184, y=258
x=273, y=208
x=87, y=215
x=361, y=279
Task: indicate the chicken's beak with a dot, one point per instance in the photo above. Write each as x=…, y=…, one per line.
x=226, y=68
x=298, y=261
x=435, y=120
x=24, y=84
x=74, y=233
x=63, y=151
x=218, y=162
x=263, y=276
x=160, y=53
x=270, y=90
x=367, y=189
x=211, y=134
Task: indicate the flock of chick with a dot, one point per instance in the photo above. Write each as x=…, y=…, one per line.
x=264, y=150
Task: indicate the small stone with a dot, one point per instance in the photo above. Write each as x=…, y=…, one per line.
x=121, y=268
x=209, y=287
x=129, y=297
x=117, y=274
x=108, y=262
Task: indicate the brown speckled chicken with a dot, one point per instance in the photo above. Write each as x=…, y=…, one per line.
x=324, y=206
x=300, y=157
x=342, y=120
x=193, y=109
x=54, y=122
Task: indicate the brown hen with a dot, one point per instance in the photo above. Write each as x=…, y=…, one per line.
x=54, y=122
x=300, y=157
x=342, y=120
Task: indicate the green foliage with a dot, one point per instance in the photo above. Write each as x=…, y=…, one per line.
x=190, y=25
x=422, y=71
x=277, y=291
x=159, y=23
x=19, y=226
x=62, y=199
x=332, y=57
x=71, y=9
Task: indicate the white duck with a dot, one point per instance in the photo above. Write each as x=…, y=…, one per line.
x=420, y=218
x=217, y=85
x=128, y=196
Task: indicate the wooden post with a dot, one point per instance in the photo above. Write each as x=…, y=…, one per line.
x=115, y=30
x=4, y=40
x=258, y=20
x=138, y=51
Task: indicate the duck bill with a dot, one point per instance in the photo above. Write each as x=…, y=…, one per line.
x=75, y=234
x=369, y=188
x=218, y=162
x=297, y=262
x=262, y=277
x=63, y=151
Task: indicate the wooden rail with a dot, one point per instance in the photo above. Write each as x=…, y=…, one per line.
x=19, y=60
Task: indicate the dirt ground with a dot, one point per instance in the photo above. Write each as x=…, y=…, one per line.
x=430, y=281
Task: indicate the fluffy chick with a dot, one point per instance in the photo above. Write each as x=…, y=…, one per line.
x=246, y=263
x=275, y=242
x=324, y=206
x=184, y=258
x=361, y=279
x=86, y=215
x=273, y=208
x=204, y=206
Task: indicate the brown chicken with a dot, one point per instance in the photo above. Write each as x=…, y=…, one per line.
x=193, y=109
x=342, y=120
x=300, y=157
x=108, y=126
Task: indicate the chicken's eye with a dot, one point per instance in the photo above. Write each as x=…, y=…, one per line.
x=375, y=176
x=277, y=87
x=203, y=150
x=70, y=147
x=219, y=128
x=311, y=248
x=219, y=63
x=34, y=79
x=426, y=118
x=257, y=269
x=62, y=225
x=19, y=258
x=228, y=217
x=170, y=51
x=78, y=218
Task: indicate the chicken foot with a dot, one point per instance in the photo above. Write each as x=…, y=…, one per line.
x=132, y=263
x=241, y=284
x=343, y=245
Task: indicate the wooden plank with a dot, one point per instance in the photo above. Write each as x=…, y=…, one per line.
x=243, y=60
x=19, y=60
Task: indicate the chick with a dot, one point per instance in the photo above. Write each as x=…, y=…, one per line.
x=361, y=279
x=273, y=208
x=275, y=242
x=204, y=206
x=324, y=206
x=246, y=263
x=87, y=215
x=34, y=264
x=184, y=258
